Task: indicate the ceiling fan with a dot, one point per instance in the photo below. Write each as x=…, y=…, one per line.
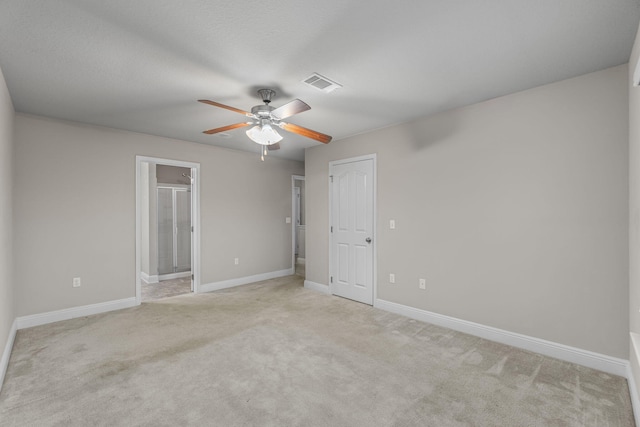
x=264, y=118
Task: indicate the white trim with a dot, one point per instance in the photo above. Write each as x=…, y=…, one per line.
x=374, y=231
x=147, y=278
x=224, y=284
x=171, y=276
x=195, y=222
x=195, y=218
x=302, y=260
x=172, y=186
x=6, y=355
x=318, y=287
x=72, y=313
x=601, y=362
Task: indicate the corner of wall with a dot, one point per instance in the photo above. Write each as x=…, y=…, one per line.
x=633, y=374
x=7, y=298
x=633, y=377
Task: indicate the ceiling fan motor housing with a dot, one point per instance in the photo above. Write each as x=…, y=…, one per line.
x=262, y=110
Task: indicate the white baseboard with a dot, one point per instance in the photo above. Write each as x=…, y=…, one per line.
x=318, y=287
x=172, y=276
x=6, y=355
x=224, y=284
x=601, y=362
x=148, y=278
x=301, y=260
x=72, y=313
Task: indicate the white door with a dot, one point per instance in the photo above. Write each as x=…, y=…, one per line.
x=352, y=227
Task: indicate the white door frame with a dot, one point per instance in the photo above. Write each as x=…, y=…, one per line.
x=294, y=178
x=375, y=219
x=195, y=217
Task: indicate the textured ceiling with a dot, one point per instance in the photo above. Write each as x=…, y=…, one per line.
x=141, y=65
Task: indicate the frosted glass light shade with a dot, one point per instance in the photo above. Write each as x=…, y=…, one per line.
x=264, y=135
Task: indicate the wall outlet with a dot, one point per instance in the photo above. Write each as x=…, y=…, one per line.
x=392, y=224
x=422, y=284
x=76, y=282
x=392, y=278
x=287, y=220
x=236, y=261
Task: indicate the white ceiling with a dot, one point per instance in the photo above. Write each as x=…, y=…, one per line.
x=141, y=65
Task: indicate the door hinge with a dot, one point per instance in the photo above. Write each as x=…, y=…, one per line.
x=332, y=228
x=331, y=176
x=331, y=279
x=192, y=228
x=192, y=277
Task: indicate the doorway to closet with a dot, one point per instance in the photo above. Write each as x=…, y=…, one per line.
x=167, y=249
x=298, y=225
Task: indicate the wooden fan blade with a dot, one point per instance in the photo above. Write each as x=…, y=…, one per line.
x=274, y=147
x=325, y=139
x=226, y=107
x=225, y=128
x=289, y=109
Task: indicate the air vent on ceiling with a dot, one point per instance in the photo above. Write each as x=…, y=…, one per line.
x=321, y=83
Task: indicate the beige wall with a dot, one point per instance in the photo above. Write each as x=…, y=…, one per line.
x=634, y=207
x=514, y=210
x=75, y=211
x=172, y=175
x=6, y=206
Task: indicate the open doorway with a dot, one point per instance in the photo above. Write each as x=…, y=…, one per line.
x=298, y=225
x=167, y=229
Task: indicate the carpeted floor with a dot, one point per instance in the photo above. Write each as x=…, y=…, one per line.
x=165, y=289
x=276, y=354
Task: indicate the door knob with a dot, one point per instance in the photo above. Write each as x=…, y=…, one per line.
x=368, y=240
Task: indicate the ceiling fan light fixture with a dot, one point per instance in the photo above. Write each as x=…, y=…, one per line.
x=264, y=134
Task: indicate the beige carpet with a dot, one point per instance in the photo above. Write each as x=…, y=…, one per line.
x=276, y=354
x=165, y=289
